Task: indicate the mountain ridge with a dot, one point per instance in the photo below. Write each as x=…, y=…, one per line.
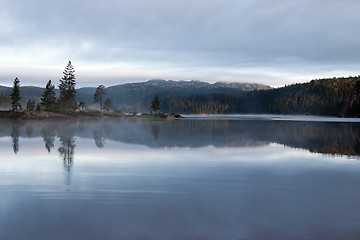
x=129, y=94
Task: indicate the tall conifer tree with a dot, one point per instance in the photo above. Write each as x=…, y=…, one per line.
x=67, y=88
x=155, y=104
x=15, y=96
x=108, y=105
x=48, y=99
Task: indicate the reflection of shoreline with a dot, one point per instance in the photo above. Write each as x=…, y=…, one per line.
x=317, y=137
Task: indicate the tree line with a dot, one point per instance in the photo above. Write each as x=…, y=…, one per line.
x=67, y=101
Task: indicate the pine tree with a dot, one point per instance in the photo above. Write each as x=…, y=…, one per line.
x=82, y=105
x=108, y=105
x=15, y=96
x=67, y=89
x=30, y=106
x=48, y=99
x=98, y=95
x=155, y=104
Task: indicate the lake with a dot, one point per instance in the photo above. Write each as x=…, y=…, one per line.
x=202, y=177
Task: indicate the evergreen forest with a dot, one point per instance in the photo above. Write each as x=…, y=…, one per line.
x=328, y=97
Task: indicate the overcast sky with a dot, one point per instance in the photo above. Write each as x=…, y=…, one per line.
x=109, y=42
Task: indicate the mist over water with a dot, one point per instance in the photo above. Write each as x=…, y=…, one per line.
x=196, y=178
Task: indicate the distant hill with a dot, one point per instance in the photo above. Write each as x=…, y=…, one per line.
x=26, y=92
x=132, y=94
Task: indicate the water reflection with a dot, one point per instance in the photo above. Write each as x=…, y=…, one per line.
x=48, y=134
x=155, y=130
x=317, y=137
x=107, y=126
x=172, y=179
x=29, y=131
x=15, y=134
x=102, y=128
x=98, y=137
x=67, y=147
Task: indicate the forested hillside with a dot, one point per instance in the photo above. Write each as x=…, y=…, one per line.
x=335, y=97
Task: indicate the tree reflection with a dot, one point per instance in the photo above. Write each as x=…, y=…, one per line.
x=66, y=149
x=98, y=138
x=29, y=131
x=48, y=134
x=102, y=128
x=98, y=135
x=155, y=130
x=15, y=134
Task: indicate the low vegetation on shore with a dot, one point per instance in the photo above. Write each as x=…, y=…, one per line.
x=39, y=115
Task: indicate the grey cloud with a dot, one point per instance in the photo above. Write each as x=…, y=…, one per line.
x=191, y=33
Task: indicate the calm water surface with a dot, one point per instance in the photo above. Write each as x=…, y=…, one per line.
x=232, y=177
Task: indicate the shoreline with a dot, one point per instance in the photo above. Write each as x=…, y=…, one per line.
x=96, y=114
x=81, y=114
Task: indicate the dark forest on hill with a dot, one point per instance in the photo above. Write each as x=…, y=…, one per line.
x=329, y=97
